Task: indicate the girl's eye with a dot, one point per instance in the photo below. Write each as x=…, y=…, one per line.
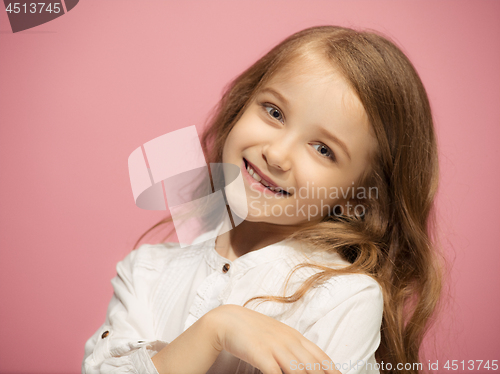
x=325, y=151
x=273, y=112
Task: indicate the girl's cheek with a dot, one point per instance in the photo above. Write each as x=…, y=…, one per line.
x=224, y=149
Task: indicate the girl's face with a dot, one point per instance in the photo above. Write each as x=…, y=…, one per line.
x=307, y=133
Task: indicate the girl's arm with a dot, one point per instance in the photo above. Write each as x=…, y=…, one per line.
x=127, y=339
x=194, y=351
x=263, y=342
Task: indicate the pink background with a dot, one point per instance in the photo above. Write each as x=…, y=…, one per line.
x=80, y=93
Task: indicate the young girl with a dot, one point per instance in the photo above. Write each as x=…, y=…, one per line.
x=333, y=269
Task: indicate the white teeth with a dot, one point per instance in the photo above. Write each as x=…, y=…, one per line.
x=259, y=179
x=256, y=176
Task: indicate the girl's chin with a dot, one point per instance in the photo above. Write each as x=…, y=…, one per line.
x=266, y=215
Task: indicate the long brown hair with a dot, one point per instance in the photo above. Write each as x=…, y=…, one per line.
x=393, y=242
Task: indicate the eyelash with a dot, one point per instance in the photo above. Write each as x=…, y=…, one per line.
x=268, y=105
x=332, y=155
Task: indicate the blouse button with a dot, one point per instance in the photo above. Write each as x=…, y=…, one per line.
x=104, y=334
x=225, y=268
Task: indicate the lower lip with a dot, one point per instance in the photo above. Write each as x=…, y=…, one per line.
x=257, y=186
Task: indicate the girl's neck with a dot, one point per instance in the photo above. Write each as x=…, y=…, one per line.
x=251, y=236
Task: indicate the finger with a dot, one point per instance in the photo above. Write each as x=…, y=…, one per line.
x=297, y=359
x=328, y=366
x=310, y=363
x=288, y=361
x=268, y=365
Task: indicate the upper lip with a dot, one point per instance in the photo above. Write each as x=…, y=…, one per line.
x=264, y=176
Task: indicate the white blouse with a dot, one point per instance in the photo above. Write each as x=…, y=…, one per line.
x=161, y=290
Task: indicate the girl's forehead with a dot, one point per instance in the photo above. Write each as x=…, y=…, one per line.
x=307, y=66
x=309, y=75
x=316, y=74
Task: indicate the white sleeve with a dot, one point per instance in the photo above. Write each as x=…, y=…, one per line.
x=126, y=341
x=349, y=331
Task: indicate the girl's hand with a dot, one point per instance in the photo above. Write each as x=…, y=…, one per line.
x=265, y=343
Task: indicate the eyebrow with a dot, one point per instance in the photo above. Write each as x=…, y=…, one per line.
x=336, y=140
x=275, y=93
x=324, y=131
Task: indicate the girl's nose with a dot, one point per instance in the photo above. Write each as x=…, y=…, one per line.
x=276, y=155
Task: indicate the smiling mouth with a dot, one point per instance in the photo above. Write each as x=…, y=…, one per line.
x=258, y=178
